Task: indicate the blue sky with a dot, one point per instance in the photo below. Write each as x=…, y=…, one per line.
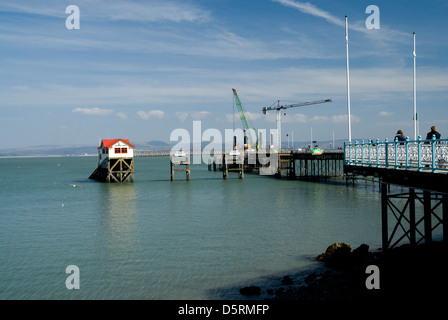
x=140, y=69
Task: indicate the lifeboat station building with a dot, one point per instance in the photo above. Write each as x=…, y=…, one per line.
x=115, y=161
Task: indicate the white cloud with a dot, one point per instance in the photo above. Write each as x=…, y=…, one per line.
x=93, y=111
x=342, y=118
x=294, y=118
x=251, y=116
x=122, y=115
x=154, y=11
x=198, y=115
x=182, y=116
x=146, y=115
x=302, y=118
x=309, y=8
x=194, y=115
x=385, y=114
x=388, y=34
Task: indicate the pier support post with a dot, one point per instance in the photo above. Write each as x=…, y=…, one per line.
x=384, y=224
x=445, y=217
x=407, y=224
x=412, y=224
x=427, y=216
x=232, y=163
x=180, y=160
x=115, y=170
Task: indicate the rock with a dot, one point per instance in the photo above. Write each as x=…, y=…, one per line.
x=280, y=291
x=310, y=278
x=336, y=255
x=286, y=280
x=250, y=291
x=361, y=251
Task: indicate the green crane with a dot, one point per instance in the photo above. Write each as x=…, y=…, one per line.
x=246, y=127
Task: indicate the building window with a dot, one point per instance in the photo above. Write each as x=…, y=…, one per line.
x=124, y=150
x=117, y=150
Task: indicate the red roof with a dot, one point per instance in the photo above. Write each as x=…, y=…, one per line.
x=108, y=143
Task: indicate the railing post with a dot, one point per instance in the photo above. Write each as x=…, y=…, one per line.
x=419, y=153
x=350, y=152
x=407, y=153
x=370, y=152
x=377, y=152
x=362, y=152
x=345, y=153
x=386, y=157
x=356, y=150
x=396, y=152
x=433, y=151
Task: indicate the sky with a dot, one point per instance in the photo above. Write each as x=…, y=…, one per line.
x=140, y=69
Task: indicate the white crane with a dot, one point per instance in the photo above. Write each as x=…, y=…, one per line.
x=279, y=108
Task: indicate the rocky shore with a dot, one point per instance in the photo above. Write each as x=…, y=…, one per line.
x=406, y=273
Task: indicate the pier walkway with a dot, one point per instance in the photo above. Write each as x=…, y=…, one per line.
x=421, y=167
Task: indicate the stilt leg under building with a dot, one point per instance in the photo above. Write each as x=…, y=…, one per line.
x=114, y=170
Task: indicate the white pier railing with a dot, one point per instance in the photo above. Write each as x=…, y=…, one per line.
x=418, y=155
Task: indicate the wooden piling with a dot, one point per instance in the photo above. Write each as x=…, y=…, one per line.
x=180, y=159
x=232, y=163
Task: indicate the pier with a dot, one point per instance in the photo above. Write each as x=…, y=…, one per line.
x=181, y=159
x=233, y=163
x=305, y=164
x=418, y=166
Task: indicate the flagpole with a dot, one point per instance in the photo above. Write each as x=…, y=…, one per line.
x=415, y=95
x=348, y=84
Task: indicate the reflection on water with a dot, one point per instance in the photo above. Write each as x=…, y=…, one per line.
x=118, y=219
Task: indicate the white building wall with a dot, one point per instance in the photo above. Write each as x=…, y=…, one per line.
x=121, y=145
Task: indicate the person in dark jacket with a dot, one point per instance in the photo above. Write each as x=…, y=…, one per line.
x=433, y=132
x=400, y=136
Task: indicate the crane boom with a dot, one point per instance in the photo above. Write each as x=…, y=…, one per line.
x=279, y=107
x=243, y=118
x=301, y=104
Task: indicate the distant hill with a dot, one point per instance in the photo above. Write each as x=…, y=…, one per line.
x=155, y=145
x=158, y=143
x=75, y=150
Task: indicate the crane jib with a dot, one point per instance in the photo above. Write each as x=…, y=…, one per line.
x=301, y=104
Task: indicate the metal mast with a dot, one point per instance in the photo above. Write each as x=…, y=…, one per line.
x=414, y=118
x=348, y=83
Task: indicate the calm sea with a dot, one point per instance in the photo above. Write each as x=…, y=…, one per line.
x=157, y=239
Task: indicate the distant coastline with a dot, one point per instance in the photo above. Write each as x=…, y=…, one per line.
x=151, y=147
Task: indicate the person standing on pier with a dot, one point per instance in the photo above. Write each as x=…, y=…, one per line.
x=400, y=136
x=433, y=132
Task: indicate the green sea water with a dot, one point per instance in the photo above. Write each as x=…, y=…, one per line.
x=158, y=239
